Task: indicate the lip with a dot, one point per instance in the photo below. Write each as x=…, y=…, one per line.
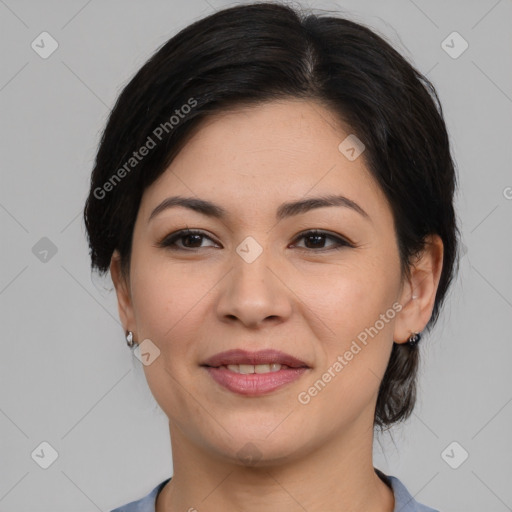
x=239, y=356
x=254, y=384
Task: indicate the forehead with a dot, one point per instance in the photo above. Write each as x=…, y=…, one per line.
x=255, y=157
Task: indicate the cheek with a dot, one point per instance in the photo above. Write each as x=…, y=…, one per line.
x=356, y=309
x=163, y=297
x=169, y=310
x=165, y=313
x=347, y=297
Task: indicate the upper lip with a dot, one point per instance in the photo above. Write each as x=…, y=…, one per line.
x=239, y=356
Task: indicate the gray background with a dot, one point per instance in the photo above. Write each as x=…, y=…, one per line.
x=68, y=378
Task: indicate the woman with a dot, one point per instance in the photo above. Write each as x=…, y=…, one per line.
x=273, y=197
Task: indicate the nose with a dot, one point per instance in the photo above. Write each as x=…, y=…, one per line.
x=255, y=294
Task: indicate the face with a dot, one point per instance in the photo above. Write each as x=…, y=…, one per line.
x=254, y=279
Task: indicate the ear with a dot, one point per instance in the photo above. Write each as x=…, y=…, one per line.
x=422, y=285
x=124, y=300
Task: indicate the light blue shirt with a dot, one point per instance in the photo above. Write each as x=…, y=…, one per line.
x=404, y=502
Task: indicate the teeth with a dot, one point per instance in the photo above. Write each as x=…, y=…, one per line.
x=254, y=368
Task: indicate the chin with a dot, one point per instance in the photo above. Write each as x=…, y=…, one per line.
x=259, y=450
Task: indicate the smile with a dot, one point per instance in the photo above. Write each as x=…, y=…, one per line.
x=251, y=368
x=254, y=373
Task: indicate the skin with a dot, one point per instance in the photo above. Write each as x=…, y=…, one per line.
x=297, y=296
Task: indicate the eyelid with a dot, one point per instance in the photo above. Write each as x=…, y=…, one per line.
x=167, y=241
x=339, y=239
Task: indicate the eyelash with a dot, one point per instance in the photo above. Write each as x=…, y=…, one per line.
x=169, y=241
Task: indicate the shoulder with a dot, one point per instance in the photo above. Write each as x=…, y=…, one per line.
x=145, y=504
x=404, y=502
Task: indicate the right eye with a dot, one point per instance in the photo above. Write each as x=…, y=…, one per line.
x=190, y=238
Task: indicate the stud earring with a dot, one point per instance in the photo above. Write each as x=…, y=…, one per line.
x=414, y=339
x=129, y=339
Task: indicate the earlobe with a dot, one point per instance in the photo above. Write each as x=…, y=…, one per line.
x=419, y=293
x=122, y=287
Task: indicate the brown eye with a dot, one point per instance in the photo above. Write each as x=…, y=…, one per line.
x=188, y=239
x=316, y=240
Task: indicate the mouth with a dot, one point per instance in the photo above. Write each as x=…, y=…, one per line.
x=243, y=358
x=254, y=373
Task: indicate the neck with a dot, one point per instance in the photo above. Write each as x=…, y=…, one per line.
x=338, y=475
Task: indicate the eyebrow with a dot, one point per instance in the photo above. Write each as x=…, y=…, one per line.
x=285, y=210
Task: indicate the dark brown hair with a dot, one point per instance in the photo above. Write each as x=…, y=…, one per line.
x=255, y=53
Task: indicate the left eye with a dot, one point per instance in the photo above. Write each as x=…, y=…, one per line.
x=319, y=237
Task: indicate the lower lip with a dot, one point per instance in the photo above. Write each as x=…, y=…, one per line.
x=254, y=384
